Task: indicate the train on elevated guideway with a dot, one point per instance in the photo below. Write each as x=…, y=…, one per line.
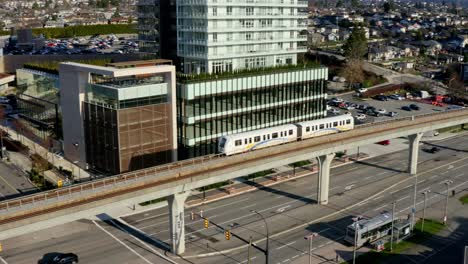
x=262, y=138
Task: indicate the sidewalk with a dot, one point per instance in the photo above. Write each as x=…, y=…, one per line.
x=35, y=148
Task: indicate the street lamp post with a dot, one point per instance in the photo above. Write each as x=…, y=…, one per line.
x=393, y=221
x=413, y=210
x=311, y=240
x=424, y=209
x=448, y=182
x=355, y=219
x=267, y=252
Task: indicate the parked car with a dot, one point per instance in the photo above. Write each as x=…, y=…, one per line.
x=414, y=107
x=362, y=107
x=406, y=108
x=361, y=116
x=336, y=100
x=392, y=114
x=362, y=90
x=381, y=111
x=384, y=142
x=381, y=97
x=396, y=97
x=334, y=111
x=373, y=113
x=63, y=258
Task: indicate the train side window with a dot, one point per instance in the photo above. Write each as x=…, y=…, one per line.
x=290, y=132
x=257, y=139
x=274, y=135
x=322, y=126
x=264, y=137
x=348, y=121
x=307, y=129
x=245, y=141
x=313, y=128
x=335, y=124
x=250, y=140
x=238, y=142
x=281, y=134
x=268, y=136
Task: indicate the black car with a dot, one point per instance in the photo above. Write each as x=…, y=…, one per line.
x=414, y=107
x=433, y=150
x=381, y=97
x=65, y=258
x=406, y=108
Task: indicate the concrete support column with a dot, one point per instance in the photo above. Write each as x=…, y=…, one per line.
x=176, y=213
x=324, y=163
x=413, y=152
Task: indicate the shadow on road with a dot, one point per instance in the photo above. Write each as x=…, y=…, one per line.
x=378, y=166
x=282, y=193
x=444, y=147
x=105, y=218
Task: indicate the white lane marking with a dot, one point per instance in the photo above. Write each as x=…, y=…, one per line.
x=248, y=206
x=286, y=245
x=443, y=173
x=349, y=187
x=402, y=198
x=3, y=261
x=286, y=260
x=395, y=191
x=450, y=167
x=188, y=214
x=434, y=176
x=378, y=197
x=421, y=181
x=368, y=177
x=123, y=244
x=459, y=175
x=295, y=256
x=411, y=185
x=280, y=210
x=382, y=173
x=381, y=207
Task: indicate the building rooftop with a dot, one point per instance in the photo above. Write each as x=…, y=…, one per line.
x=140, y=63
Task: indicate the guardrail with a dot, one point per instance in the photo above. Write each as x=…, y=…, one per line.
x=125, y=178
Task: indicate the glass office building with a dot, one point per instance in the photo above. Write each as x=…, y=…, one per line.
x=127, y=112
x=209, y=109
x=38, y=102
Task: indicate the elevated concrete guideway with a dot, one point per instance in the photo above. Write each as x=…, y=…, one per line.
x=176, y=180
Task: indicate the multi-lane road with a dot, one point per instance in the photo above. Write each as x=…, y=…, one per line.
x=358, y=189
x=365, y=188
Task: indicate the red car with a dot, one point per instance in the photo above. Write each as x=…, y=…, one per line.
x=384, y=142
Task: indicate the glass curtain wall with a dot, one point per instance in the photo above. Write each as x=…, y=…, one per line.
x=249, y=110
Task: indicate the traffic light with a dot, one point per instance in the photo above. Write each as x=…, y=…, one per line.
x=206, y=223
x=227, y=234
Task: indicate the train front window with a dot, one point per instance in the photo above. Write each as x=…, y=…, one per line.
x=222, y=142
x=348, y=121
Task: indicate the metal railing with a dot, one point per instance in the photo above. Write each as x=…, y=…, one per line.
x=131, y=177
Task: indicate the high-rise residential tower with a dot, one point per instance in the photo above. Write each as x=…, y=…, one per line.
x=225, y=35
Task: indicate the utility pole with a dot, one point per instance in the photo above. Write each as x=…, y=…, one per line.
x=267, y=252
x=424, y=209
x=311, y=240
x=248, y=253
x=413, y=210
x=448, y=182
x=393, y=221
x=355, y=219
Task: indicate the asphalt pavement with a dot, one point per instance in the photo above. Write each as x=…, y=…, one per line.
x=364, y=188
x=291, y=204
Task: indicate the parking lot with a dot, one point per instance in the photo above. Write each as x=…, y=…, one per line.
x=389, y=106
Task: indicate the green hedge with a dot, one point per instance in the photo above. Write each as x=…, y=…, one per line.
x=52, y=66
x=76, y=31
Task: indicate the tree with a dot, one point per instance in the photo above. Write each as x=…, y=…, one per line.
x=353, y=71
x=388, y=6
x=356, y=46
x=35, y=6
x=339, y=3
x=355, y=3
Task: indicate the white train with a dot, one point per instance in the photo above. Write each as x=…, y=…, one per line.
x=262, y=138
